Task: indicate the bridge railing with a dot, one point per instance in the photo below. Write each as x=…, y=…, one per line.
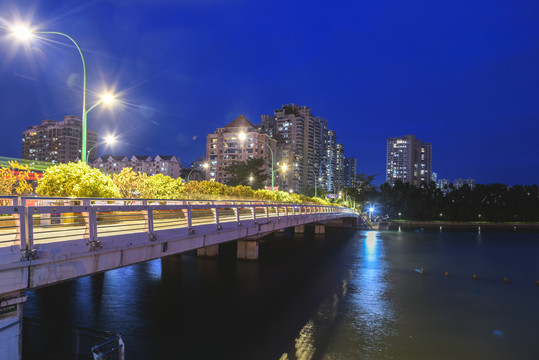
x=28, y=223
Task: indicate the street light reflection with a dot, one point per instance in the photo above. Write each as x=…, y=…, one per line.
x=374, y=312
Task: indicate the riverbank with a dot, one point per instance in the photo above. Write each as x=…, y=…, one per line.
x=530, y=225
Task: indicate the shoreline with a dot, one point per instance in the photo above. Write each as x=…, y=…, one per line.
x=530, y=225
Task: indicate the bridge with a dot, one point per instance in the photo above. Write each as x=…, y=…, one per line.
x=44, y=241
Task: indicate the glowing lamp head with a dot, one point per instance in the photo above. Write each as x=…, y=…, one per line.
x=285, y=167
x=110, y=139
x=205, y=165
x=251, y=179
x=22, y=32
x=242, y=136
x=107, y=98
x=371, y=209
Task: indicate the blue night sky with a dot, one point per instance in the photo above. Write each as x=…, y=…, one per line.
x=463, y=75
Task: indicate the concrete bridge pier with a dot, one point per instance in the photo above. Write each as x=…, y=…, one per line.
x=299, y=229
x=208, y=251
x=247, y=250
x=319, y=229
x=11, y=326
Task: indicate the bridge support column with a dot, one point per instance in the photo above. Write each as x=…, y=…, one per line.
x=299, y=229
x=319, y=229
x=208, y=251
x=247, y=250
x=11, y=326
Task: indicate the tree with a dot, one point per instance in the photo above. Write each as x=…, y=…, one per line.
x=160, y=186
x=242, y=171
x=76, y=180
x=13, y=179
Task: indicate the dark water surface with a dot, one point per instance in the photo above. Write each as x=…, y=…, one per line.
x=347, y=295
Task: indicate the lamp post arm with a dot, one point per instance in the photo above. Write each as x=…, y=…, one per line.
x=271, y=152
x=189, y=174
x=97, y=103
x=84, y=112
x=89, y=151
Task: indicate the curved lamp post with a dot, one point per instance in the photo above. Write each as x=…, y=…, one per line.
x=26, y=33
x=205, y=166
x=242, y=136
x=109, y=140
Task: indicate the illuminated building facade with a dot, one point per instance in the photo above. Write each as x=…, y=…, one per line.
x=224, y=147
x=57, y=141
x=409, y=160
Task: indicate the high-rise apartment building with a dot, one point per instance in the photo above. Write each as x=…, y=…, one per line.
x=350, y=171
x=301, y=139
x=57, y=141
x=224, y=147
x=409, y=160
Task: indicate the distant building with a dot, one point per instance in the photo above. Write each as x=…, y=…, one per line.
x=434, y=177
x=443, y=184
x=350, y=171
x=339, y=169
x=58, y=141
x=224, y=147
x=168, y=165
x=301, y=138
x=409, y=160
x=460, y=182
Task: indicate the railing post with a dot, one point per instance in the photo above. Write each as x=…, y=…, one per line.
x=189, y=220
x=148, y=218
x=215, y=211
x=236, y=209
x=266, y=210
x=90, y=220
x=253, y=210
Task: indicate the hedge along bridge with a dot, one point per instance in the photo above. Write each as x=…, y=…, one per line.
x=48, y=240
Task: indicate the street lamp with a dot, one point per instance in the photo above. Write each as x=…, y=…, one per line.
x=109, y=140
x=25, y=33
x=371, y=209
x=205, y=166
x=250, y=179
x=242, y=136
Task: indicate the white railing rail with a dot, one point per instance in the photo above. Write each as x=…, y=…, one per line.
x=26, y=222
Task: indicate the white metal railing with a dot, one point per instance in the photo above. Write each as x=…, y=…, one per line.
x=29, y=221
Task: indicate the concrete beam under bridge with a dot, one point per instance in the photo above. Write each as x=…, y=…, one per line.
x=247, y=250
x=208, y=251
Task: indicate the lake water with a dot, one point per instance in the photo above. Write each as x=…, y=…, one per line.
x=350, y=294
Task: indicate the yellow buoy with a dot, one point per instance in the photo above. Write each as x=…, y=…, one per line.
x=446, y=274
x=474, y=277
x=506, y=279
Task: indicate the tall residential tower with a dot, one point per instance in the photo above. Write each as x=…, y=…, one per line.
x=57, y=141
x=409, y=160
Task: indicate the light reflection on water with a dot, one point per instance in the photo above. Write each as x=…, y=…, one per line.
x=374, y=313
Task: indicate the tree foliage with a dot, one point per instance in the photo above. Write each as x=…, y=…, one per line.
x=14, y=179
x=76, y=180
x=242, y=171
x=80, y=180
x=491, y=202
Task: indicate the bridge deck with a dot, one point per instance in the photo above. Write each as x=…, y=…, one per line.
x=43, y=241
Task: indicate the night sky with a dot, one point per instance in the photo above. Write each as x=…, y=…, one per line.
x=463, y=75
